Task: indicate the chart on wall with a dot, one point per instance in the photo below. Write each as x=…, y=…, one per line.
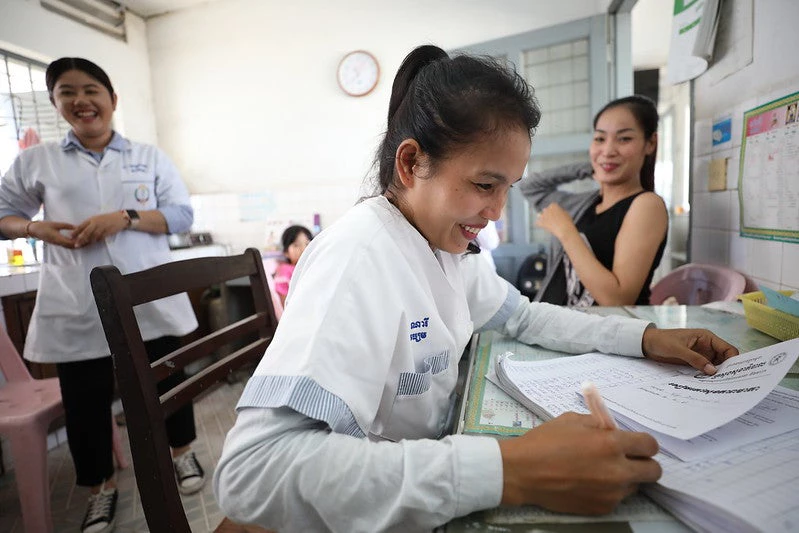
x=768, y=182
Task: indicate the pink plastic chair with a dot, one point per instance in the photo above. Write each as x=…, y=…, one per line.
x=697, y=284
x=27, y=407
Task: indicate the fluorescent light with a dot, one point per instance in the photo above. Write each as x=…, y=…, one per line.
x=117, y=30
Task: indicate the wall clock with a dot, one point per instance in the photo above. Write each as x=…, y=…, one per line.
x=358, y=73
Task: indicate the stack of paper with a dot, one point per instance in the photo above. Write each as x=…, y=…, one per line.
x=713, y=430
x=752, y=488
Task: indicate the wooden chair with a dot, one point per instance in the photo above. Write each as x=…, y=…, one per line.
x=116, y=295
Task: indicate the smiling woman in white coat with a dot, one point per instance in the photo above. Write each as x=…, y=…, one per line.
x=106, y=200
x=341, y=426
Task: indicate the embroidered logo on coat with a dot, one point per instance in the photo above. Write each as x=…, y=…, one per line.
x=142, y=194
x=419, y=336
x=138, y=167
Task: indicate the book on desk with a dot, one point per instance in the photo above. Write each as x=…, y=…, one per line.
x=756, y=428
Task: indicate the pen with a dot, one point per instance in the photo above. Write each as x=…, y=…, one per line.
x=597, y=406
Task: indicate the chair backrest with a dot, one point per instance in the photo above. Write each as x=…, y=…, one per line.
x=116, y=295
x=11, y=364
x=697, y=284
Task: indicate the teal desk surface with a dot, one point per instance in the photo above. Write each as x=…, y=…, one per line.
x=487, y=410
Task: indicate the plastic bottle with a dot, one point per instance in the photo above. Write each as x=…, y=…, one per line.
x=317, y=225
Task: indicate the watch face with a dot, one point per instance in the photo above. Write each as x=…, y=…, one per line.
x=358, y=73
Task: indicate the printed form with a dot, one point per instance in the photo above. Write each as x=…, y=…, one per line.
x=692, y=403
x=752, y=488
x=551, y=387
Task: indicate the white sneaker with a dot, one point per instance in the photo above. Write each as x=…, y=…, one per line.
x=101, y=513
x=189, y=473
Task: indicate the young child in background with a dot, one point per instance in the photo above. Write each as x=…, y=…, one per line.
x=294, y=241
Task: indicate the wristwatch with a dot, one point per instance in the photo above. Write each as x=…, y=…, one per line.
x=133, y=218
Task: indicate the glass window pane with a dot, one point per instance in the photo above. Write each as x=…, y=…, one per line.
x=580, y=47
x=26, y=114
x=37, y=76
x=560, y=76
x=20, y=76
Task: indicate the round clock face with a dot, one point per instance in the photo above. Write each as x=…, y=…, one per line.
x=358, y=73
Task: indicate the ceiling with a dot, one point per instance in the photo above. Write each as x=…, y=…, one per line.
x=650, y=36
x=151, y=8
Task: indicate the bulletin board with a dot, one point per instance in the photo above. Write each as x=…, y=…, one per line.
x=768, y=181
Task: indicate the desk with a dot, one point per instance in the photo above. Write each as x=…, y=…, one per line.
x=487, y=410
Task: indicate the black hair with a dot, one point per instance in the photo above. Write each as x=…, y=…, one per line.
x=290, y=235
x=58, y=67
x=645, y=113
x=445, y=103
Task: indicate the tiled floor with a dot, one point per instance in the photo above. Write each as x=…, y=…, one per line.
x=214, y=416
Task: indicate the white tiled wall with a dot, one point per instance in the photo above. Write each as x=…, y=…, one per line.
x=715, y=223
x=243, y=220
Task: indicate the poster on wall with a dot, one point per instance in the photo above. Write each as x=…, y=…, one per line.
x=768, y=181
x=693, y=33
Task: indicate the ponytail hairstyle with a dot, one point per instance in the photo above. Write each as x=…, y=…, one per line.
x=646, y=115
x=58, y=67
x=446, y=103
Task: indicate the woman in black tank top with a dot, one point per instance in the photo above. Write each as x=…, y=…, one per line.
x=613, y=247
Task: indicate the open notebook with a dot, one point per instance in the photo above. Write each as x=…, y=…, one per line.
x=706, y=478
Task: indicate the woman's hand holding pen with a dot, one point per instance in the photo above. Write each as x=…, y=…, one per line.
x=698, y=348
x=573, y=465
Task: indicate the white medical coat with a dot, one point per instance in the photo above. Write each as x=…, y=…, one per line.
x=73, y=186
x=368, y=346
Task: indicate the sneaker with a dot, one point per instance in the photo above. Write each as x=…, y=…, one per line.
x=189, y=473
x=101, y=513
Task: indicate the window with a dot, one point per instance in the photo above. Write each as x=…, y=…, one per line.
x=560, y=75
x=26, y=114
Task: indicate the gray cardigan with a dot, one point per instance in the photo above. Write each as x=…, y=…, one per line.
x=541, y=189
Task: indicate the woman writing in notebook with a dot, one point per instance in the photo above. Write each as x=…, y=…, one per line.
x=340, y=428
x=607, y=243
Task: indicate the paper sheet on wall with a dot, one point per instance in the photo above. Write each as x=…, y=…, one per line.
x=768, y=188
x=734, y=39
x=717, y=179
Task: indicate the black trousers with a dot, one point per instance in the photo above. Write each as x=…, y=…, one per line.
x=87, y=390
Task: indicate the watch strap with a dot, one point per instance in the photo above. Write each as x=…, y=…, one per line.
x=133, y=218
